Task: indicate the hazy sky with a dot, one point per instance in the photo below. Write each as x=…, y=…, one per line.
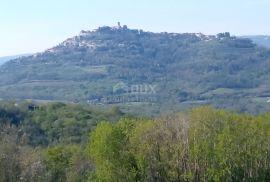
x=28, y=26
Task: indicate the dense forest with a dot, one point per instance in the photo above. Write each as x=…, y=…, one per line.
x=71, y=142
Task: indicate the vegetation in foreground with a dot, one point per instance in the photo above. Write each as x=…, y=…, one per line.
x=64, y=142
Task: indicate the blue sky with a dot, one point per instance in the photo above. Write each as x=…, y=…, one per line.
x=28, y=26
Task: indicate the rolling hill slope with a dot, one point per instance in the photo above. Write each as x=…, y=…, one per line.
x=145, y=71
x=7, y=58
x=262, y=40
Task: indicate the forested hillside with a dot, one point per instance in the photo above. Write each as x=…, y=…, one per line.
x=169, y=71
x=69, y=142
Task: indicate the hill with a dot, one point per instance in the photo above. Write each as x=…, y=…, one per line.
x=8, y=58
x=262, y=40
x=145, y=72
